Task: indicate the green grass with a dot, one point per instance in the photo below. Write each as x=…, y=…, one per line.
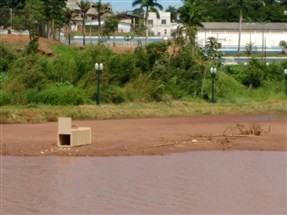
x=64, y=50
x=39, y=113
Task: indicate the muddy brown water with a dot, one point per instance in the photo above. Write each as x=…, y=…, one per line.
x=236, y=182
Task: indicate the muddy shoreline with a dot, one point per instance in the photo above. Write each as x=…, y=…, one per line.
x=155, y=136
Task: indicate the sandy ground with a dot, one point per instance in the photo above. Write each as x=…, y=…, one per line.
x=151, y=136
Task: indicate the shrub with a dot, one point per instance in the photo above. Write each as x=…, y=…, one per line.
x=55, y=95
x=6, y=57
x=5, y=98
x=253, y=74
x=121, y=68
x=61, y=69
x=113, y=94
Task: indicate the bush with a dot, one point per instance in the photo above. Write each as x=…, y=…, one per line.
x=5, y=98
x=144, y=89
x=61, y=69
x=113, y=94
x=29, y=71
x=6, y=57
x=121, y=68
x=58, y=95
x=253, y=74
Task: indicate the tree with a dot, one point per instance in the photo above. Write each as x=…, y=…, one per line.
x=177, y=35
x=54, y=12
x=30, y=18
x=190, y=16
x=101, y=9
x=7, y=8
x=250, y=48
x=69, y=19
x=15, y=4
x=243, y=6
x=111, y=26
x=84, y=7
x=140, y=28
x=283, y=45
x=173, y=13
x=148, y=5
x=211, y=49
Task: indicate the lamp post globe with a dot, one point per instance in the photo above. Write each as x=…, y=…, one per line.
x=99, y=68
x=213, y=73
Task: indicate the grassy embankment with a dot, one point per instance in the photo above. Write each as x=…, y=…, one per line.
x=44, y=113
x=176, y=95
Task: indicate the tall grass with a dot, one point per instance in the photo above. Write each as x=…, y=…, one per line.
x=43, y=113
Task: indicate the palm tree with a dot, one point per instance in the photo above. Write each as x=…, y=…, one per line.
x=101, y=9
x=190, y=16
x=69, y=19
x=84, y=8
x=242, y=5
x=148, y=5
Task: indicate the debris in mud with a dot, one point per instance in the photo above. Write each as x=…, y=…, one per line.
x=240, y=129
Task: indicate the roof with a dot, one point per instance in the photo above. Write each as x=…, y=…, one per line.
x=245, y=26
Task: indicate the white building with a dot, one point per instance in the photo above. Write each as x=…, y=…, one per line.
x=262, y=35
x=160, y=26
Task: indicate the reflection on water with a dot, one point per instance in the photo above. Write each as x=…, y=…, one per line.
x=235, y=182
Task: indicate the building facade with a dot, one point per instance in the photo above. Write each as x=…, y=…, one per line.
x=160, y=27
x=261, y=35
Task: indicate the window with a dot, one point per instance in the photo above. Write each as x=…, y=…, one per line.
x=163, y=21
x=165, y=31
x=150, y=22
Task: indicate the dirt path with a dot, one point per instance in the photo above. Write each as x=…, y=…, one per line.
x=151, y=136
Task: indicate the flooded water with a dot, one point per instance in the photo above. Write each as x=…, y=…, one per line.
x=237, y=182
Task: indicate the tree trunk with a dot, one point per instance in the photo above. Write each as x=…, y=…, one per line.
x=146, y=25
x=100, y=29
x=84, y=30
x=239, y=36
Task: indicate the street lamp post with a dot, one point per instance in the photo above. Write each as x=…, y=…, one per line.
x=285, y=73
x=213, y=73
x=99, y=68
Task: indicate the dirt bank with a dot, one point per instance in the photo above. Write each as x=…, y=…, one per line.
x=151, y=136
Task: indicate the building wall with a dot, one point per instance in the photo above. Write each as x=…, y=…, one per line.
x=229, y=39
x=161, y=26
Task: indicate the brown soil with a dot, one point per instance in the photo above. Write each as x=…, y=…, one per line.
x=20, y=41
x=151, y=136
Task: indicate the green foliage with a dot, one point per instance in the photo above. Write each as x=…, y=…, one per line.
x=283, y=45
x=141, y=59
x=144, y=89
x=85, y=61
x=148, y=74
x=56, y=72
x=111, y=25
x=6, y=56
x=122, y=69
x=113, y=94
x=211, y=49
x=32, y=47
x=28, y=71
x=253, y=74
x=5, y=98
x=57, y=95
x=249, y=48
x=31, y=16
x=155, y=51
